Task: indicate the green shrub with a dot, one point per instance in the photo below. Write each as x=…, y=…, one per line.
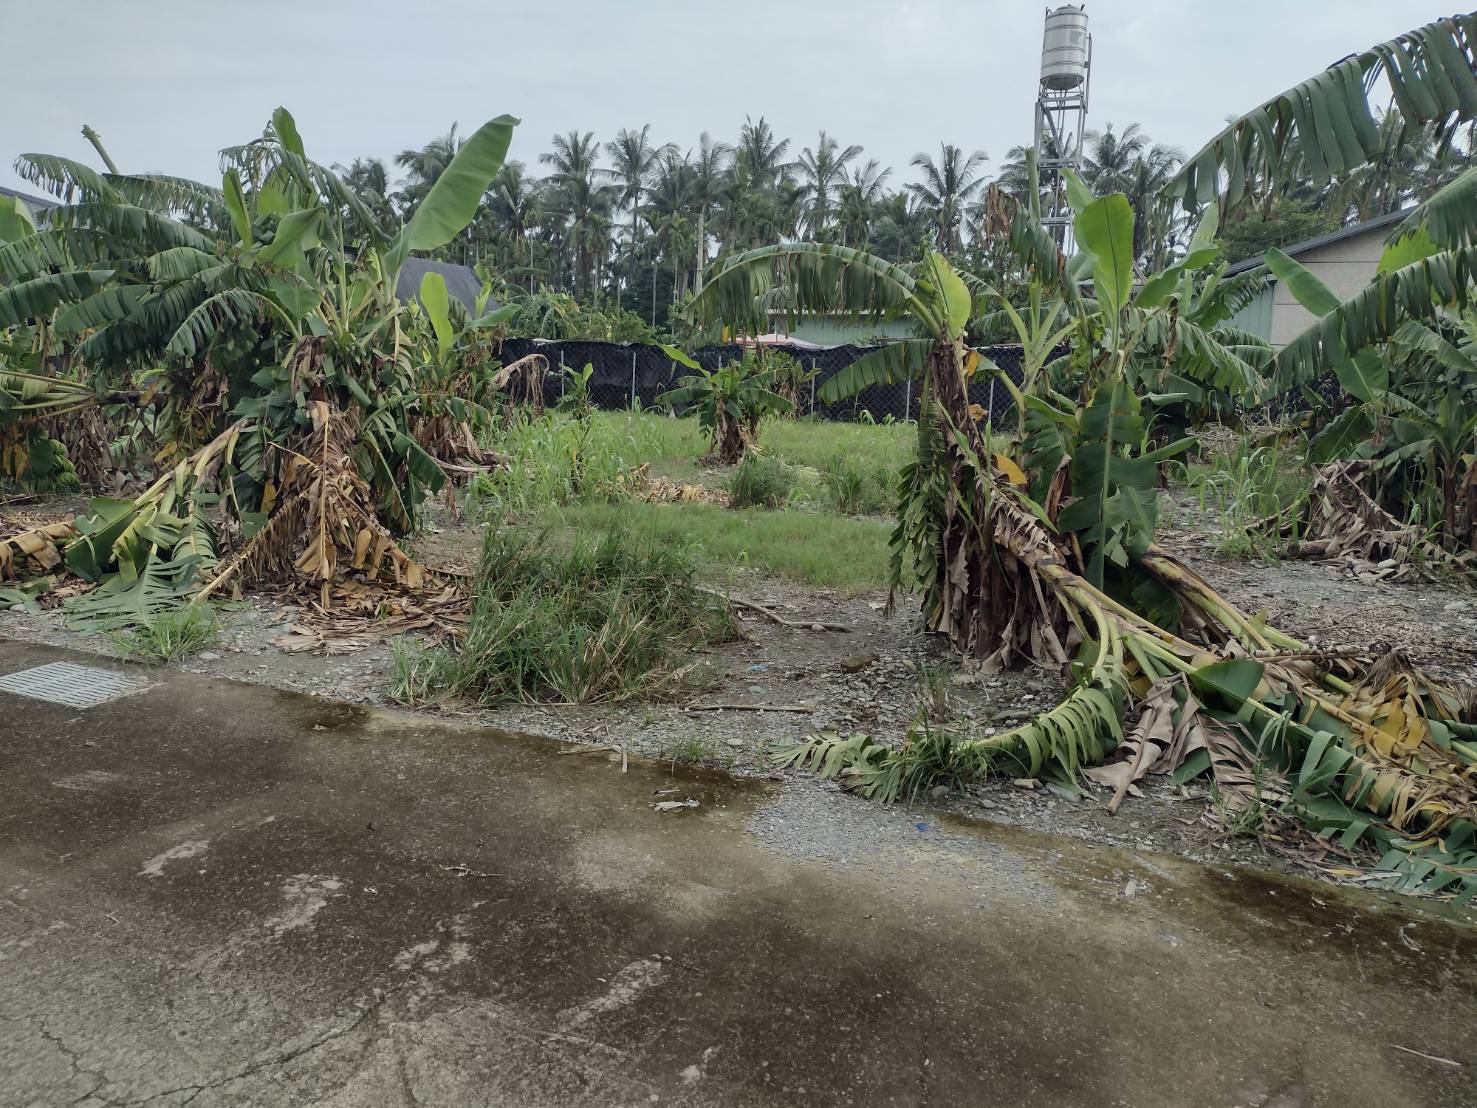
x=761, y=482
x=606, y=619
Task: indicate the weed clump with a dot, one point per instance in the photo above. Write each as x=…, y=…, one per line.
x=603, y=620
x=170, y=635
x=761, y=482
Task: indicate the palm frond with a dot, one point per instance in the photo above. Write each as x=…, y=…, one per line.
x=1328, y=118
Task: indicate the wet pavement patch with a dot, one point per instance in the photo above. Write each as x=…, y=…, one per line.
x=222, y=894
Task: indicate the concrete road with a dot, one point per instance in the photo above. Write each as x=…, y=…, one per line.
x=218, y=894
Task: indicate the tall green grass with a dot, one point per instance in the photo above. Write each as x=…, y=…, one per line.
x=760, y=481
x=1241, y=485
x=603, y=618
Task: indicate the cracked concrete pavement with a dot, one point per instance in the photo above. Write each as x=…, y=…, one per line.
x=220, y=894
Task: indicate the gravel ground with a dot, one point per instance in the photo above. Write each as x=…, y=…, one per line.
x=865, y=679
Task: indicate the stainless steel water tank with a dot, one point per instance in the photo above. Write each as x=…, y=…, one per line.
x=1064, y=49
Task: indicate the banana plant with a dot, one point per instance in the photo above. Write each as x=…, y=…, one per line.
x=319, y=364
x=730, y=402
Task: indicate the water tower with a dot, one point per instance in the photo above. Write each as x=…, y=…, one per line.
x=1061, y=112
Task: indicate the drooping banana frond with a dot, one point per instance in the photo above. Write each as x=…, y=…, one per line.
x=819, y=277
x=1328, y=118
x=144, y=231
x=1221, y=298
x=1224, y=358
x=57, y=248
x=68, y=180
x=1378, y=311
x=223, y=313
x=172, y=195
x=37, y=298
x=887, y=365
x=1449, y=215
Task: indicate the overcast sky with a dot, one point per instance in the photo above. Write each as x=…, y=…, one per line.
x=168, y=82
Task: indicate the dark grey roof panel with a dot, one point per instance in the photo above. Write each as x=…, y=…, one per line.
x=461, y=281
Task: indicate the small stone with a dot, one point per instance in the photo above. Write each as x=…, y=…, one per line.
x=938, y=792
x=1455, y=606
x=209, y=656
x=855, y=663
x=735, y=743
x=817, y=626
x=755, y=689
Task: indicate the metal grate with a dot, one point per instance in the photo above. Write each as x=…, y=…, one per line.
x=68, y=683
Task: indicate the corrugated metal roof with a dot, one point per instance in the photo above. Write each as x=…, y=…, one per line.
x=1387, y=220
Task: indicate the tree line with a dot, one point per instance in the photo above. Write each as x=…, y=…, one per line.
x=629, y=224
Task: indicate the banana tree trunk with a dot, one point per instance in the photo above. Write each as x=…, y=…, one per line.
x=986, y=595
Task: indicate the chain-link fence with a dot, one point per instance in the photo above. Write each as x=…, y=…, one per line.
x=625, y=375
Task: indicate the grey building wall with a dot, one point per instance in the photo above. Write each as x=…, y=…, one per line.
x=1345, y=266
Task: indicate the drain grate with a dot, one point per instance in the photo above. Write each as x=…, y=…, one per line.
x=68, y=683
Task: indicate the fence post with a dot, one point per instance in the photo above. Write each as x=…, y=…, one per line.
x=907, y=400
x=633, y=378
x=812, y=384
x=562, y=374
x=992, y=401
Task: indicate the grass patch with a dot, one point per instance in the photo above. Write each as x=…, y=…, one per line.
x=877, y=448
x=814, y=548
x=561, y=460
x=760, y=481
x=173, y=634
x=695, y=750
x=600, y=619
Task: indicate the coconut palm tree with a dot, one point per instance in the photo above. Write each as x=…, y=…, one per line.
x=633, y=158
x=819, y=170
x=708, y=169
x=425, y=165
x=514, y=207
x=948, y=186
x=583, y=202
x=369, y=180
x=760, y=155
x=859, y=199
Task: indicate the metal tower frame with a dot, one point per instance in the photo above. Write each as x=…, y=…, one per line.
x=1061, y=120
